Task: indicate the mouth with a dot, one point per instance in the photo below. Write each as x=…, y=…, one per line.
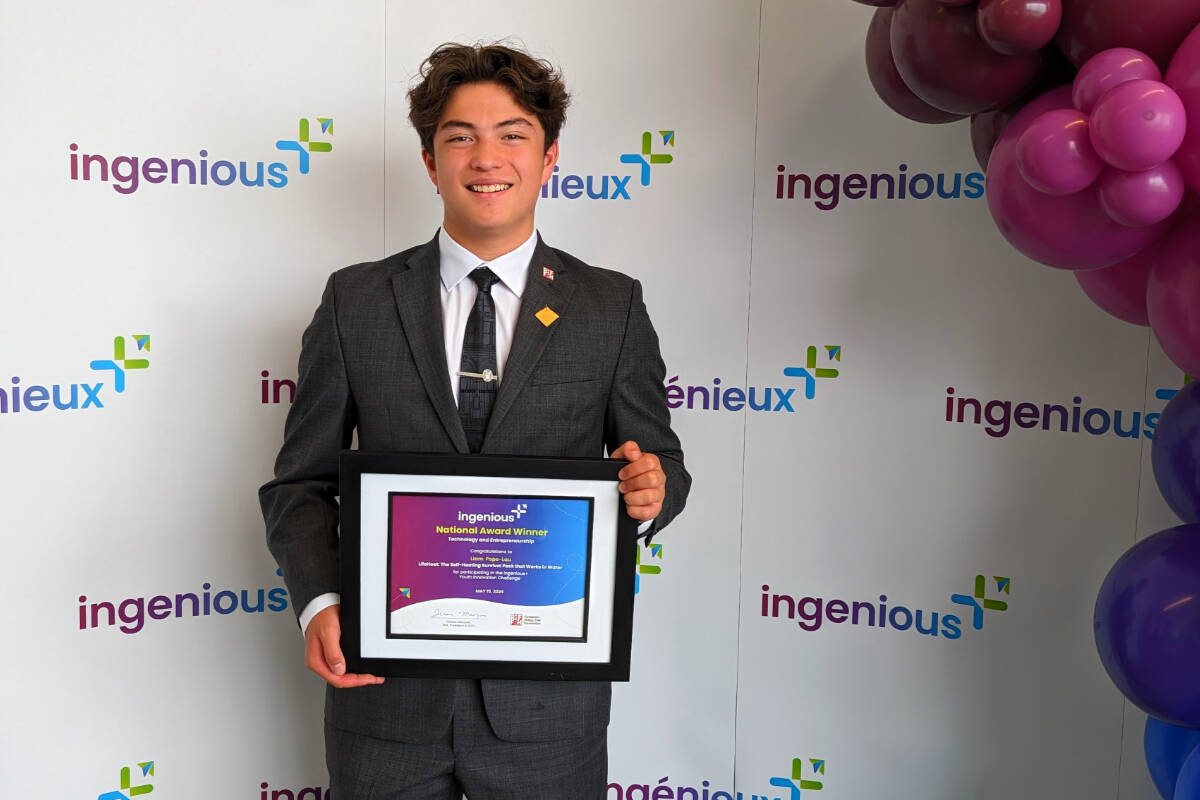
x=489, y=188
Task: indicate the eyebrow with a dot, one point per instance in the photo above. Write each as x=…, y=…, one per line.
x=456, y=123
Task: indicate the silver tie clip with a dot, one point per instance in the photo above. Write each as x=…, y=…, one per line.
x=487, y=376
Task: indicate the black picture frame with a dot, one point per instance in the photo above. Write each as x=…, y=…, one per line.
x=542, y=658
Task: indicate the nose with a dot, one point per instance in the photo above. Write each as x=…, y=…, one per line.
x=486, y=154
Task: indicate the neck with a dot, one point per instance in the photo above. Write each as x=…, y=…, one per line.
x=485, y=246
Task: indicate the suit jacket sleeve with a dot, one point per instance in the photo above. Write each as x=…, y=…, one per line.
x=300, y=506
x=637, y=406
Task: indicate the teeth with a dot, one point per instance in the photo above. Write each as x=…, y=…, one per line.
x=491, y=187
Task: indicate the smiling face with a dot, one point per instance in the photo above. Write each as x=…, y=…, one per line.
x=489, y=162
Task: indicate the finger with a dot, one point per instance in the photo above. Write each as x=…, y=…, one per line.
x=628, y=451
x=644, y=497
x=646, y=463
x=644, y=512
x=655, y=479
x=318, y=661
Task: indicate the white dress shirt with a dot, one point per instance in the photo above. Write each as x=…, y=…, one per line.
x=458, y=297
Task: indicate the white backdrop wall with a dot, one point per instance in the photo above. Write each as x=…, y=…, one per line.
x=868, y=492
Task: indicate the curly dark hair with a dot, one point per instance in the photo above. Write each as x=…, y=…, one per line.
x=536, y=85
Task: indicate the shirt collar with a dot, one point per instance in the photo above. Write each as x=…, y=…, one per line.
x=512, y=268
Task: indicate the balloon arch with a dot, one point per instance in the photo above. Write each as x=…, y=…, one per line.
x=1079, y=116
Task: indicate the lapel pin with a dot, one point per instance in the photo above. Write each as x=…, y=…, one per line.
x=547, y=273
x=546, y=316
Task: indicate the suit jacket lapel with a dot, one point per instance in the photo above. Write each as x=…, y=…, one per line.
x=420, y=307
x=531, y=335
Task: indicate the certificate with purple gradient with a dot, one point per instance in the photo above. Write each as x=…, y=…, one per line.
x=488, y=566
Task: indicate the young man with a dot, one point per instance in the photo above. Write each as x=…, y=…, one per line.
x=441, y=348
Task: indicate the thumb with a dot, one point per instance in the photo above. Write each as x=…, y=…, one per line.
x=333, y=654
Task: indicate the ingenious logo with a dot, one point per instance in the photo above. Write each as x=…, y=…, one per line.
x=717, y=396
x=131, y=614
x=646, y=555
x=828, y=189
x=999, y=418
x=128, y=788
x=128, y=173
x=636, y=167
x=805, y=775
x=37, y=397
x=812, y=613
x=267, y=792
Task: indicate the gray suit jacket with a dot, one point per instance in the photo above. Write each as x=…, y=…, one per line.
x=374, y=360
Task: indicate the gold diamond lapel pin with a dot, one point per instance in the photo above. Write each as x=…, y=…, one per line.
x=546, y=316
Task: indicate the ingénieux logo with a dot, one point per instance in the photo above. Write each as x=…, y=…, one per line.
x=83, y=395
x=648, y=552
x=128, y=173
x=717, y=396
x=797, y=782
x=128, y=789
x=572, y=186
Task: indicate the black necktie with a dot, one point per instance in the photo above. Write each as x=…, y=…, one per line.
x=477, y=388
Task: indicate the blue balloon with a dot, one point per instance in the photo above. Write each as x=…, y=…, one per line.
x=1167, y=747
x=1175, y=453
x=1188, y=787
x=1147, y=625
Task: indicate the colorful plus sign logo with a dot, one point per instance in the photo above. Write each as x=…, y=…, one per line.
x=119, y=364
x=646, y=158
x=653, y=551
x=979, y=602
x=1167, y=394
x=797, y=782
x=303, y=143
x=128, y=788
x=810, y=371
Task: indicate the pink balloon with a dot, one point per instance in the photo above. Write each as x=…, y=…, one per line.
x=1055, y=154
x=956, y=2
x=1184, y=77
x=1138, y=124
x=1141, y=198
x=942, y=58
x=1108, y=68
x=1067, y=231
x=1173, y=297
x=1156, y=27
x=1121, y=289
x=891, y=88
x=1018, y=26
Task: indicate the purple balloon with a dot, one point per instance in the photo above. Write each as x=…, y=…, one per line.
x=1156, y=27
x=891, y=88
x=1175, y=453
x=1173, y=296
x=1141, y=198
x=1138, y=124
x=1018, y=26
x=1067, y=231
x=1184, y=77
x=1121, y=289
x=1147, y=625
x=1055, y=153
x=943, y=59
x=1108, y=68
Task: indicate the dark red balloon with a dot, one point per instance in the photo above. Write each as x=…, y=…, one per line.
x=986, y=129
x=891, y=88
x=1156, y=27
x=877, y=3
x=1018, y=26
x=943, y=59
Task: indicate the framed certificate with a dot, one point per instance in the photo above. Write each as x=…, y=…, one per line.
x=472, y=566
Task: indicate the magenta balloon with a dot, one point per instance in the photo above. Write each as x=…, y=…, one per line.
x=1141, y=198
x=1184, y=77
x=1138, y=124
x=891, y=88
x=1121, y=289
x=1156, y=27
x=943, y=59
x=956, y=2
x=1018, y=26
x=1173, y=296
x=1107, y=69
x=1055, y=154
x=1068, y=231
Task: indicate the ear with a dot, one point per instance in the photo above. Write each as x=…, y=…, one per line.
x=549, y=160
x=430, y=165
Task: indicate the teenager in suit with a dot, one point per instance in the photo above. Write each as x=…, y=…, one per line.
x=383, y=357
